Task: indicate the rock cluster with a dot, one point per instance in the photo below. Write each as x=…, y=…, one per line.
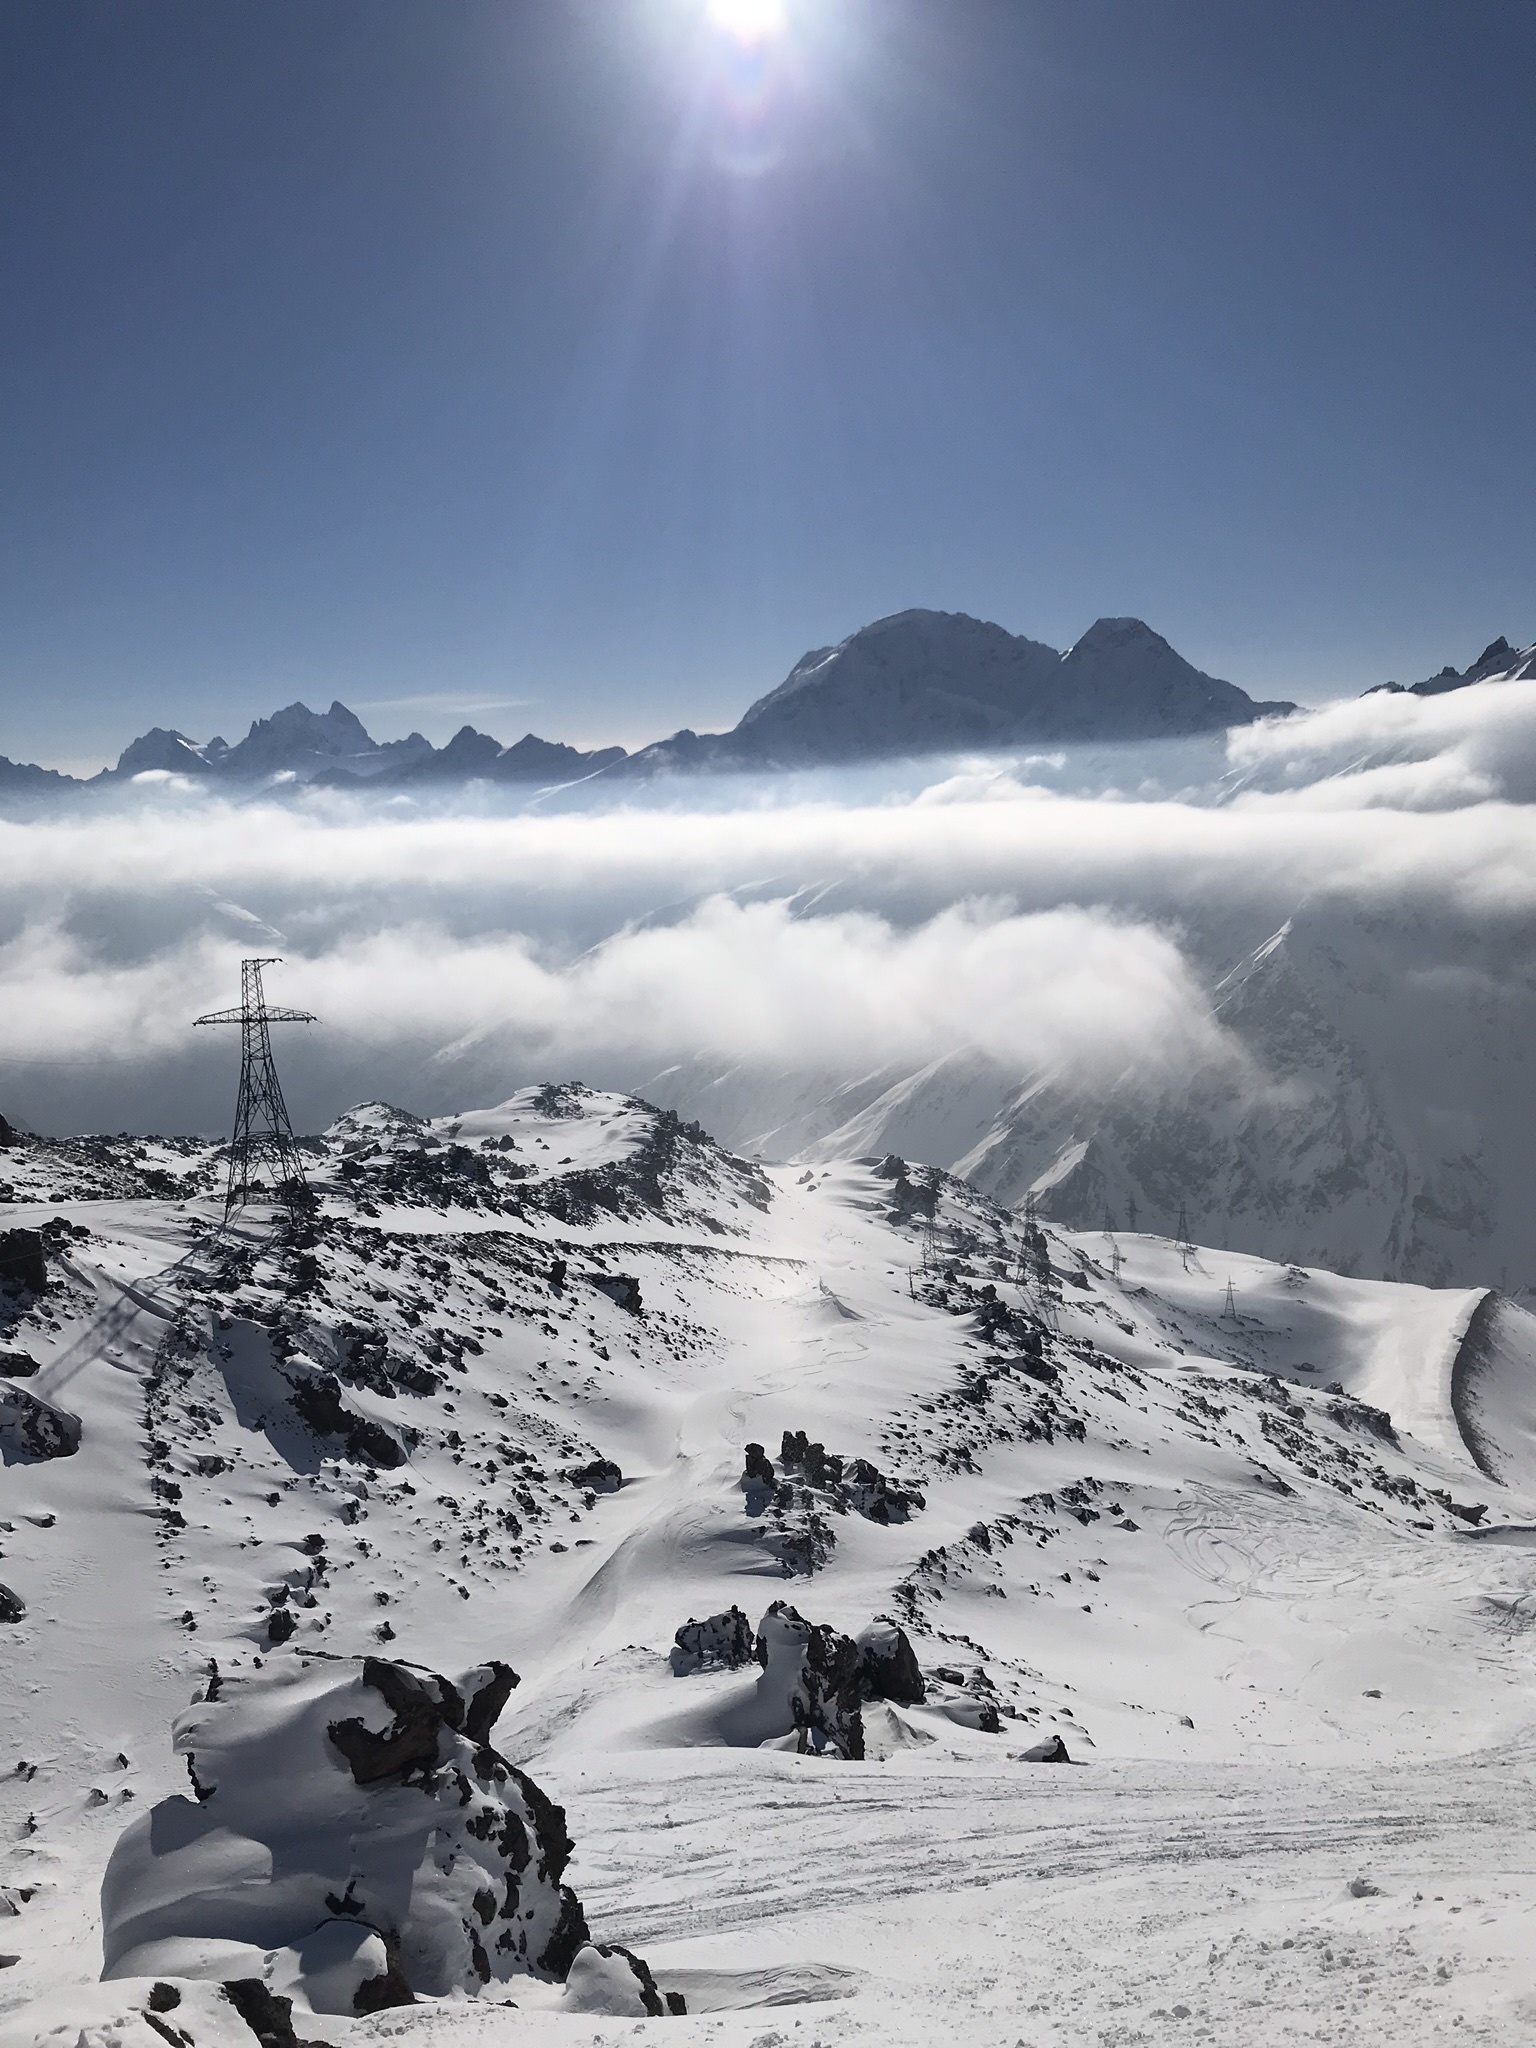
x=816, y=1483
x=353, y=1839
x=721, y=1642
x=813, y=1680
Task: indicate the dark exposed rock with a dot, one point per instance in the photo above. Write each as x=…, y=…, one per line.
x=1050, y=1751
x=888, y=1667
x=601, y=1475
x=12, y=1606
x=623, y=1288
x=816, y=1670
x=489, y=1690
x=31, y=1428
x=317, y=1399
x=1356, y=1414
x=721, y=1642
x=758, y=1469
x=17, y=1365
x=389, y=1988
x=421, y=1702
x=269, y=2017
x=22, y=1261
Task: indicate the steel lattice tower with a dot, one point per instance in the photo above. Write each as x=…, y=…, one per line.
x=262, y=1130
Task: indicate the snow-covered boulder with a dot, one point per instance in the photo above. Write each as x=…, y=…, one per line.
x=808, y=1694
x=353, y=1840
x=888, y=1666
x=33, y=1428
x=616, y=1982
x=721, y=1642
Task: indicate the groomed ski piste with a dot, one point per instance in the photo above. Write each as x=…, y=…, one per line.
x=1220, y=1607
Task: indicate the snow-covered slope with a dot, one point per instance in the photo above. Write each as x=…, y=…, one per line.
x=545, y=1382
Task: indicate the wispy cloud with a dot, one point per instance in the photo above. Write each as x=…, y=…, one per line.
x=445, y=703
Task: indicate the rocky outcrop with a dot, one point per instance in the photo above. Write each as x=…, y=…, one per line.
x=353, y=1835
x=12, y=1606
x=1052, y=1750
x=31, y=1428
x=17, y=1365
x=721, y=1642
x=810, y=1683
x=888, y=1666
x=22, y=1263
x=320, y=1405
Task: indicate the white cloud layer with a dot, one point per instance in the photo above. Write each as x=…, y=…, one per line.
x=1071, y=932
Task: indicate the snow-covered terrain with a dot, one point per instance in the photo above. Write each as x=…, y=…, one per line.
x=540, y=1385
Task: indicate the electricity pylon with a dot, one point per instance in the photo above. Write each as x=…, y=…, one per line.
x=262, y=1129
x=1184, y=1244
x=1229, y=1306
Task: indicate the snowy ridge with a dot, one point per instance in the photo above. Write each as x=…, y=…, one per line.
x=546, y=1382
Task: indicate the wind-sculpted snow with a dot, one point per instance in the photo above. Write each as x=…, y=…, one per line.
x=353, y=1838
x=1229, y=1556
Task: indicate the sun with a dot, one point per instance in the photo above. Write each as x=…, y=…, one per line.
x=750, y=21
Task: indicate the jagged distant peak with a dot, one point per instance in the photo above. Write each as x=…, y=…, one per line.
x=1499, y=662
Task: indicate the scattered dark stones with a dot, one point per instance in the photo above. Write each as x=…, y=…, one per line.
x=721, y=1642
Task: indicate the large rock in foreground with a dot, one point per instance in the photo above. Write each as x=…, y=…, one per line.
x=810, y=1683
x=354, y=1841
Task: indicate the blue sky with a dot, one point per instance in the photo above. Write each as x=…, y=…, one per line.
x=572, y=364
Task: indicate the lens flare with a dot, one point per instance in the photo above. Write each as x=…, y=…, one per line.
x=750, y=21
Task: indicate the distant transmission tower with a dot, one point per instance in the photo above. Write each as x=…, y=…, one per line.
x=1115, y=1261
x=1229, y=1306
x=262, y=1130
x=1184, y=1244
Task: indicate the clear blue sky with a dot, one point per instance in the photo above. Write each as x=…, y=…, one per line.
x=571, y=357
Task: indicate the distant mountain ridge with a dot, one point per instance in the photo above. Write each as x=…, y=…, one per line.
x=913, y=684
x=1498, y=663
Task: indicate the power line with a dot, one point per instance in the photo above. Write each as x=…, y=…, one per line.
x=262, y=1132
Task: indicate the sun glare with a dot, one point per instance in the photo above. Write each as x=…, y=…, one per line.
x=750, y=21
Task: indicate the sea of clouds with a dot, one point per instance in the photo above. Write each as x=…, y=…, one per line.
x=1076, y=925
